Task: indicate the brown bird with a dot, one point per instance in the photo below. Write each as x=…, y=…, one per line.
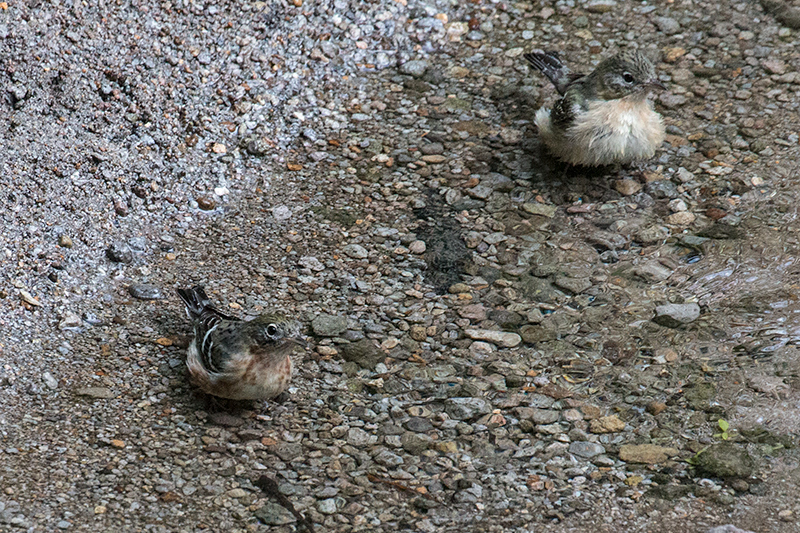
x=239, y=360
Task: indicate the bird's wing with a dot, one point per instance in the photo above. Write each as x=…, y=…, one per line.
x=217, y=341
x=571, y=105
x=551, y=66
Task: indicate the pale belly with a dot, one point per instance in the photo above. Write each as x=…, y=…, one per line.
x=617, y=131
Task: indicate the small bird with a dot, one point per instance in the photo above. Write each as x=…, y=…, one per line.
x=238, y=360
x=604, y=117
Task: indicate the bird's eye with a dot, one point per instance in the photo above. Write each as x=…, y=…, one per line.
x=272, y=330
x=628, y=77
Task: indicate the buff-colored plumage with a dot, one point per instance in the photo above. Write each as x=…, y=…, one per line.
x=604, y=117
x=238, y=360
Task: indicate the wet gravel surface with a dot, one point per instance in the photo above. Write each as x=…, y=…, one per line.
x=500, y=343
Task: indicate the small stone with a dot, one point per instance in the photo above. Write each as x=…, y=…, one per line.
x=116, y=443
x=458, y=288
x=434, y=159
x=627, y=187
x=144, y=291
x=327, y=506
x=363, y=352
x=683, y=175
x=667, y=25
x=119, y=252
x=725, y=460
x=671, y=55
x=50, y=381
x=651, y=235
x=728, y=528
x=652, y=271
x=388, y=459
x=70, y=320
x=432, y=148
x=600, y=6
x=274, y=514
x=100, y=509
x=418, y=333
x=606, y=424
x=587, y=450
x=476, y=312
x=786, y=515
x=572, y=285
x=414, y=443
x=536, y=208
x=236, y=493
x=414, y=68
x=501, y=338
x=677, y=205
x=206, y=203
x=102, y=393
x=632, y=481
x=417, y=247
x=358, y=437
x=466, y=408
x=225, y=419
x=281, y=213
x=675, y=315
x=683, y=218
x=356, y=251
x=325, y=325
x=646, y=453
x=311, y=263
x=64, y=241
x=656, y=408
x=774, y=66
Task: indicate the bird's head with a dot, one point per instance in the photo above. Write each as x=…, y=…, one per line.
x=625, y=74
x=277, y=330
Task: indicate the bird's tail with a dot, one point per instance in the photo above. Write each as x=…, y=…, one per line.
x=551, y=66
x=195, y=299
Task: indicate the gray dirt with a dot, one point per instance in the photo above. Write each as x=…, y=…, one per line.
x=485, y=356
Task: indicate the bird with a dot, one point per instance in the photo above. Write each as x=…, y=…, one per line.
x=235, y=359
x=604, y=117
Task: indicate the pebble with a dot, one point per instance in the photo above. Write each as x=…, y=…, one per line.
x=96, y=392
x=206, y=203
x=144, y=291
x=363, y=352
x=466, y=408
x=606, y=424
x=120, y=252
x=64, y=241
x=327, y=506
x=273, y=514
x=646, y=453
x=356, y=251
x=281, y=213
x=502, y=338
x=325, y=325
x=627, y=187
x=388, y=459
x=417, y=247
x=600, y=6
x=70, y=320
x=587, y=450
x=536, y=208
x=667, y=25
x=414, y=68
x=676, y=315
x=50, y=381
x=682, y=218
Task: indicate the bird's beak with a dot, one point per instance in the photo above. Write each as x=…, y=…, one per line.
x=300, y=341
x=655, y=83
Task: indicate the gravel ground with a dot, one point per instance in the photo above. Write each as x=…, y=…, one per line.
x=500, y=343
